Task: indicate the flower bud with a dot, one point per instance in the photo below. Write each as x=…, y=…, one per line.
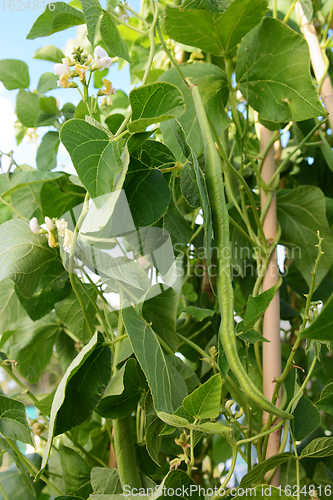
x=49, y=223
x=229, y=404
x=34, y=226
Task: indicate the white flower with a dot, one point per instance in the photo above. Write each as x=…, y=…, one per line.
x=34, y=226
x=62, y=69
x=49, y=224
x=61, y=227
x=102, y=60
x=68, y=239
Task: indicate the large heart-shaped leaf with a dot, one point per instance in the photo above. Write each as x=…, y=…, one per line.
x=23, y=255
x=301, y=213
x=101, y=164
x=61, y=17
x=214, y=33
x=13, y=421
x=80, y=390
x=204, y=402
x=14, y=74
x=213, y=87
x=273, y=70
x=154, y=103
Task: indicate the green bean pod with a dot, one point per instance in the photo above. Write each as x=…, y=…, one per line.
x=225, y=290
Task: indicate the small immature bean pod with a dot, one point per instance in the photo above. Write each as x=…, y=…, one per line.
x=215, y=187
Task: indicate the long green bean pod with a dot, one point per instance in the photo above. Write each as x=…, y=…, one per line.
x=225, y=291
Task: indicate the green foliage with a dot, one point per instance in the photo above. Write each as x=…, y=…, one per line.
x=60, y=18
x=130, y=319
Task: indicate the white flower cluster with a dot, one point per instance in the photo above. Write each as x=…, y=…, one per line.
x=100, y=61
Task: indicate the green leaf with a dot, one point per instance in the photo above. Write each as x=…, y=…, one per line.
x=101, y=164
x=44, y=405
x=326, y=399
x=273, y=70
x=47, y=81
x=48, y=105
x=27, y=109
x=14, y=485
x=63, y=16
x=154, y=103
x=76, y=472
x=47, y=152
x=307, y=419
x=179, y=479
x=321, y=327
x=33, y=346
x=11, y=310
x=111, y=38
x=80, y=390
x=259, y=471
x=173, y=420
x=177, y=226
x=14, y=74
x=199, y=313
x=160, y=310
x=23, y=255
x=13, y=421
x=256, y=306
x=318, y=448
x=23, y=178
x=59, y=196
x=301, y=213
x=204, y=200
x=252, y=336
x=188, y=186
x=217, y=34
x=92, y=11
x=49, y=53
x=53, y=287
x=159, y=154
x=123, y=392
x=190, y=378
x=204, y=402
x=214, y=6
x=213, y=87
x=69, y=311
x=148, y=196
x=166, y=384
x=105, y=481
x=211, y=428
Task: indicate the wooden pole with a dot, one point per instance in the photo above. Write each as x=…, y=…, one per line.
x=271, y=320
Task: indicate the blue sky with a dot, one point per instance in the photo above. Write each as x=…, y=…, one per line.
x=15, y=25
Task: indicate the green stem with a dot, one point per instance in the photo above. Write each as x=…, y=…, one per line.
x=127, y=7
x=123, y=441
x=301, y=389
x=279, y=381
x=168, y=53
x=286, y=17
x=2, y=491
x=230, y=473
x=296, y=148
x=13, y=209
x=18, y=382
x=33, y=470
x=199, y=350
x=72, y=275
x=118, y=20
